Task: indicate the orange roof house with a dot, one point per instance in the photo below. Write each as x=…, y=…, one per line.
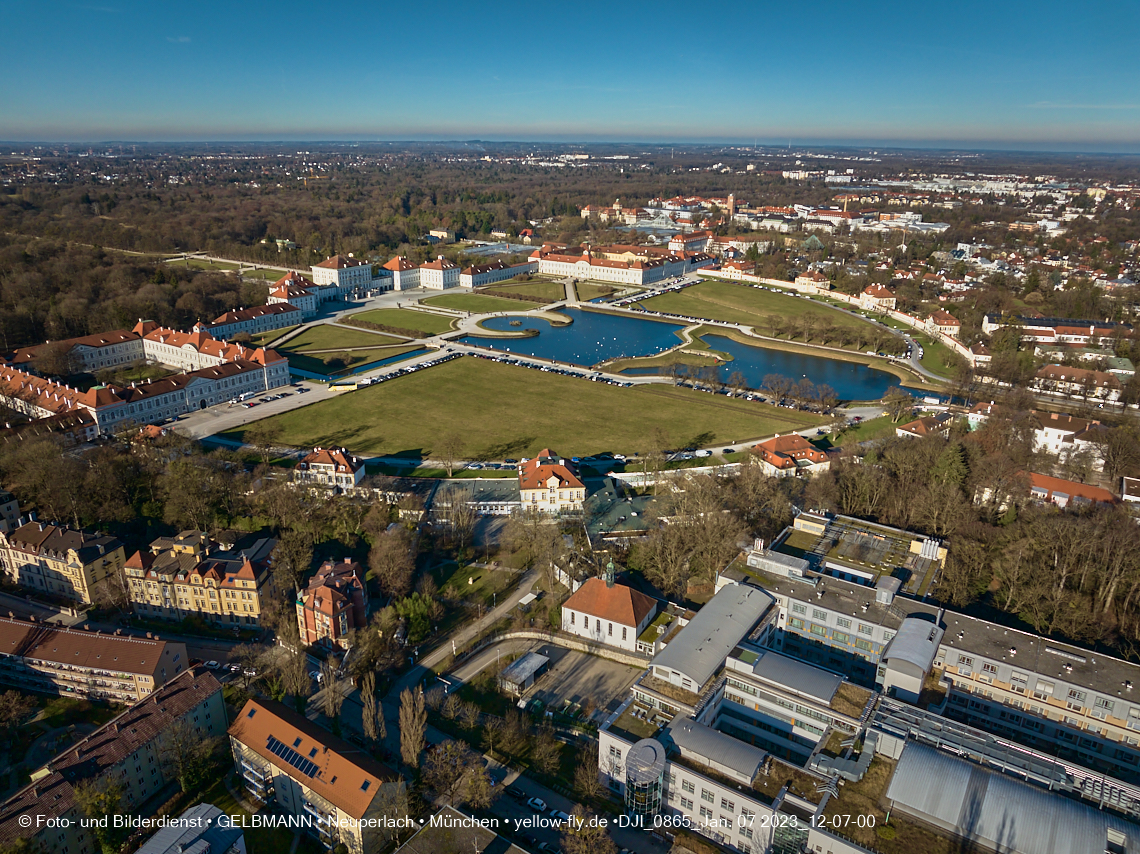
x=608, y=613
x=789, y=455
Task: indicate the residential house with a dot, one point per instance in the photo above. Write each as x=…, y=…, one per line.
x=930, y=425
x=1067, y=493
x=303, y=770
x=877, y=298
x=1077, y=382
x=791, y=454
x=943, y=323
x=813, y=280
x=332, y=604
x=61, y=562
x=334, y=468
x=550, y=484
x=9, y=512
x=192, y=577
x=38, y=657
x=608, y=613
x=131, y=752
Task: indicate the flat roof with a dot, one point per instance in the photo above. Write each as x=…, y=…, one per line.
x=715, y=749
x=701, y=647
x=997, y=811
x=797, y=676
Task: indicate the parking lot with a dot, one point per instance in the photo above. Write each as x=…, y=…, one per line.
x=577, y=678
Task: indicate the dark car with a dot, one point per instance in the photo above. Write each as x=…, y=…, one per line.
x=516, y=793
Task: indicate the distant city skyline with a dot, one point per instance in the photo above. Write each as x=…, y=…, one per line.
x=997, y=75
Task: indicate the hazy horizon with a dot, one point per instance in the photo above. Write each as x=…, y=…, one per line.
x=990, y=77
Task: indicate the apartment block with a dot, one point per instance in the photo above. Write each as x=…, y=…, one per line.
x=80, y=663
x=61, y=561
x=190, y=576
x=286, y=760
x=130, y=751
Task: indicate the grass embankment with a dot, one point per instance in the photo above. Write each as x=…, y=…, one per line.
x=474, y=303
x=504, y=410
x=261, y=339
x=592, y=290
x=329, y=348
x=404, y=318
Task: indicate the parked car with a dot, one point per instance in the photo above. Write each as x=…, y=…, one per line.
x=536, y=804
x=213, y=665
x=516, y=793
x=561, y=816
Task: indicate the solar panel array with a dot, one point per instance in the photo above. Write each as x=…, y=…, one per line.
x=305, y=766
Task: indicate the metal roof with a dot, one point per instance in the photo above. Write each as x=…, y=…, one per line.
x=715, y=749
x=198, y=825
x=996, y=811
x=701, y=647
x=916, y=642
x=797, y=676
x=518, y=671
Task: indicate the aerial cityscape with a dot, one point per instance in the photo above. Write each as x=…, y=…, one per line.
x=742, y=456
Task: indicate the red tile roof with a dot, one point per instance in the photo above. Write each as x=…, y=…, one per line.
x=340, y=262
x=535, y=473
x=1071, y=488
x=617, y=604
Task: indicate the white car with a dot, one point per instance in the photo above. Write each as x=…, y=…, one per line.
x=213, y=665
x=537, y=804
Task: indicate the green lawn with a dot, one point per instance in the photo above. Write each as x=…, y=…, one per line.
x=328, y=336
x=875, y=428
x=550, y=291
x=350, y=358
x=404, y=318
x=936, y=356
x=475, y=303
x=504, y=411
x=263, y=338
x=589, y=290
x=735, y=303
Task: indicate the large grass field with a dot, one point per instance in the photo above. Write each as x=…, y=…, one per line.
x=327, y=336
x=405, y=318
x=504, y=410
x=549, y=291
x=735, y=303
x=475, y=303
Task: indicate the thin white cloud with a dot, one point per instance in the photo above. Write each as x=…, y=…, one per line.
x=178, y=39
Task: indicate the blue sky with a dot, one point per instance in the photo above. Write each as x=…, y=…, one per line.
x=1004, y=73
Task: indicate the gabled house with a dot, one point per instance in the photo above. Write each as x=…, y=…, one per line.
x=550, y=484
x=783, y=456
x=334, y=468
x=609, y=613
x=931, y=425
x=332, y=604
